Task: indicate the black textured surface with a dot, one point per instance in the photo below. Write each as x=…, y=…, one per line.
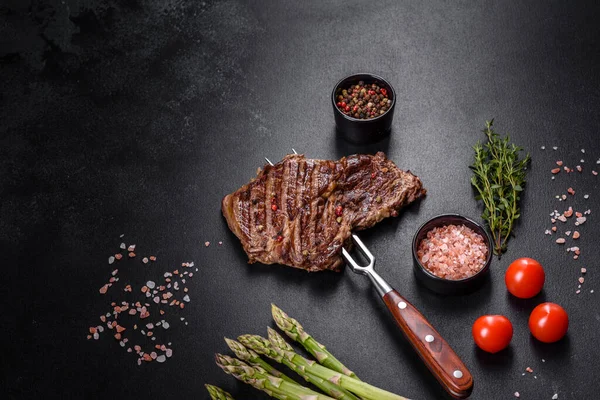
x=136, y=117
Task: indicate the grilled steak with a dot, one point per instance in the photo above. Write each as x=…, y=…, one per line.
x=300, y=212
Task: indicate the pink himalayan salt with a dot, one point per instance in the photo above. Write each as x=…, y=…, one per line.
x=453, y=252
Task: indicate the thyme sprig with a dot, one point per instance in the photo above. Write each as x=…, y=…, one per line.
x=499, y=178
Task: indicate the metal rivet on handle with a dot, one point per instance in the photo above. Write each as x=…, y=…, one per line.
x=402, y=305
x=429, y=339
x=458, y=374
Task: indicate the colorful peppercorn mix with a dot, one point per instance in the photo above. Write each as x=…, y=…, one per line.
x=364, y=101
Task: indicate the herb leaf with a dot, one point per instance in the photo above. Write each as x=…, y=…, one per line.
x=499, y=178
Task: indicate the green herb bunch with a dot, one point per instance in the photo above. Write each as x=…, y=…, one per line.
x=499, y=178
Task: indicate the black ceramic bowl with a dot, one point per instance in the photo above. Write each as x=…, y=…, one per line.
x=363, y=131
x=448, y=286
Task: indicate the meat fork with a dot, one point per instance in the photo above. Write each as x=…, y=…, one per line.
x=435, y=352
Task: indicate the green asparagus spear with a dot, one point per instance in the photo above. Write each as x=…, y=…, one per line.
x=263, y=346
x=261, y=380
x=216, y=393
x=273, y=349
x=296, y=332
x=252, y=358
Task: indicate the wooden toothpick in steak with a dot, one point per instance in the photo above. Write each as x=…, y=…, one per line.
x=300, y=212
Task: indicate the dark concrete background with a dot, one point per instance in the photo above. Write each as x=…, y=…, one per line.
x=136, y=117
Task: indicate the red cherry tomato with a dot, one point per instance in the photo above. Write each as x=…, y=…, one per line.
x=524, y=278
x=548, y=322
x=492, y=333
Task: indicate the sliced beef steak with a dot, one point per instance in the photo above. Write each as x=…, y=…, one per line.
x=300, y=212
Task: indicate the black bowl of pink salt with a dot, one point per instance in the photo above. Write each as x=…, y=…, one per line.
x=363, y=108
x=452, y=254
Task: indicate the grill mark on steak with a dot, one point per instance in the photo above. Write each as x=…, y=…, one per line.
x=369, y=188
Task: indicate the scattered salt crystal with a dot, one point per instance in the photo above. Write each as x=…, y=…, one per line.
x=568, y=233
x=581, y=220
x=554, y=148
x=169, y=353
x=100, y=328
x=586, y=196
x=131, y=247
x=111, y=259
x=577, y=291
x=543, y=147
x=153, y=355
x=96, y=336
x=206, y=244
x=151, y=284
x=583, y=270
x=517, y=394
x=161, y=358
x=560, y=240
x=543, y=360
x=220, y=243
x=555, y=396
x=582, y=160
x=528, y=369
x=581, y=279
x=145, y=260
x=123, y=246
x=165, y=325
x=122, y=234
x=583, y=150
x=592, y=291
x=186, y=298
x=114, y=272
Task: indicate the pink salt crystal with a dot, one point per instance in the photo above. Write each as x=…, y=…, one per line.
x=560, y=240
x=583, y=270
x=581, y=279
x=453, y=252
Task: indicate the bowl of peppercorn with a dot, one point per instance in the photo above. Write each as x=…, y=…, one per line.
x=363, y=107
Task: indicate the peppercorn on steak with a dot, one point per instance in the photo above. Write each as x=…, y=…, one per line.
x=300, y=212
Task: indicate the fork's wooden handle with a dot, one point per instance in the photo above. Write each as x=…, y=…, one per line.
x=437, y=354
